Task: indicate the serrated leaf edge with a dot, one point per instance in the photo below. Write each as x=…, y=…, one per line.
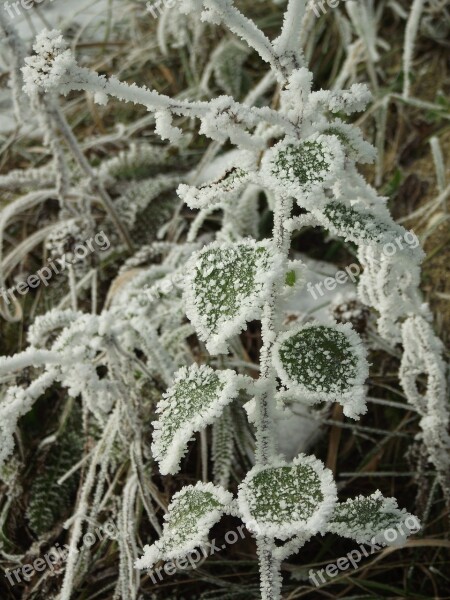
x=389, y=505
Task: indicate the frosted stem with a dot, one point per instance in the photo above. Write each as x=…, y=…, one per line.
x=265, y=444
x=245, y=29
x=410, y=37
x=289, y=40
x=270, y=580
x=439, y=164
x=86, y=167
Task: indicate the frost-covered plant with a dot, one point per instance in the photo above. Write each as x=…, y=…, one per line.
x=302, y=154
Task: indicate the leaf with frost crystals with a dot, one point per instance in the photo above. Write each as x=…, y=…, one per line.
x=191, y=514
x=226, y=286
x=227, y=60
x=352, y=140
x=287, y=499
x=302, y=169
x=324, y=363
x=196, y=398
x=358, y=224
x=227, y=188
x=369, y=518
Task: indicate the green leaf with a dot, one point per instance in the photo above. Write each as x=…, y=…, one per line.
x=196, y=398
x=291, y=278
x=50, y=502
x=303, y=169
x=226, y=286
x=373, y=518
x=287, y=499
x=229, y=58
x=191, y=514
x=324, y=363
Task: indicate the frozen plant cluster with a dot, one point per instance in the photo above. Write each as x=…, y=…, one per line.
x=304, y=157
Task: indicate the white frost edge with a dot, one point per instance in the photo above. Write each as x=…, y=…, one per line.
x=213, y=193
x=302, y=194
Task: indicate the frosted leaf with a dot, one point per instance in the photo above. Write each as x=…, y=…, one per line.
x=228, y=187
x=348, y=101
x=390, y=284
x=191, y=514
x=324, y=363
x=228, y=71
x=196, y=399
x=351, y=138
x=372, y=518
x=226, y=286
x=423, y=357
x=288, y=498
x=302, y=169
x=357, y=224
x=16, y=403
x=227, y=119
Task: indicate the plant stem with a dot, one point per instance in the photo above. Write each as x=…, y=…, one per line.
x=86, y=167
x=265, y=442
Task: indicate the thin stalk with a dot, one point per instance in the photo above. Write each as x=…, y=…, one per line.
x=86, y=167
x=265, y=445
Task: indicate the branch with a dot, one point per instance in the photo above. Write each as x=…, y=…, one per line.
x=288, y=43
x=247, y=30
x=54, y=69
